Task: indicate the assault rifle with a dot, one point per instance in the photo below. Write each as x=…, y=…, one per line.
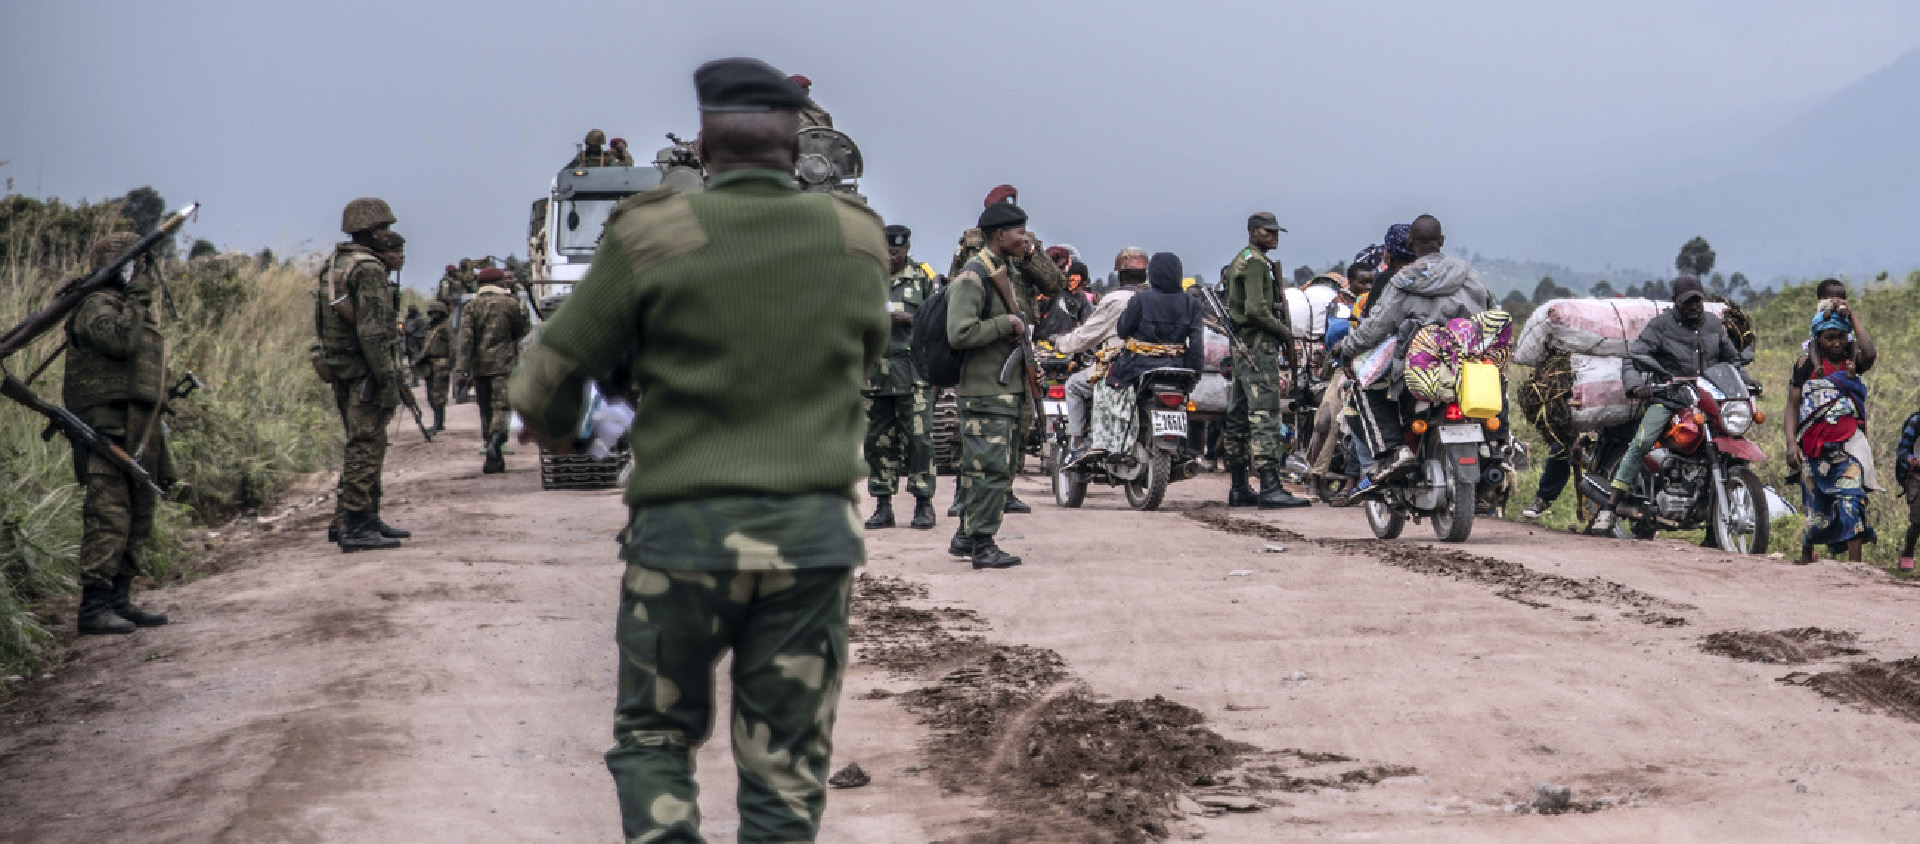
x=400, y=381
x=1023, y=352
x=115, y=273
x=1212, y=301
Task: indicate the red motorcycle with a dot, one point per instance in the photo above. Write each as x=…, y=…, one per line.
x=1697, y=475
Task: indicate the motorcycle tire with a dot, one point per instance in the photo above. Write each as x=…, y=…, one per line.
x=1742, y=484
x=1069, y=487
x=1150, y=488
x=1453, y=520
x=1385, y=519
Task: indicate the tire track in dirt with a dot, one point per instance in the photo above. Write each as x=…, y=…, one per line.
x=1061, y=763
x=1509, y=580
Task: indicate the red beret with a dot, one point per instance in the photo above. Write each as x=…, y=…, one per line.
x=490, y=274
x=450, y=268
x=801, y=81
x=1057, y=253
x=1003, y=193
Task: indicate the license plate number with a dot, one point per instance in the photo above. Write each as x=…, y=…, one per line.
x=1461, y=434
x=1169, y=423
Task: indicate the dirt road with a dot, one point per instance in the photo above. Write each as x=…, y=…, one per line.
x=460, y=689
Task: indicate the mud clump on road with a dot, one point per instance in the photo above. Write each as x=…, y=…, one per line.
x=1892, y=687
x=1509, y=580
x=1011, y=723
x=1789, y=647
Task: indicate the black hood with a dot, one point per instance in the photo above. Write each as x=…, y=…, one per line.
x=1164, y=272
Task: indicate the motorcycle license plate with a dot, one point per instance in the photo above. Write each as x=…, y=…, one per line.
x=1461, y=434
x=1169, y=423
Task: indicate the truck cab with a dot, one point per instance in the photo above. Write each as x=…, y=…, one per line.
x=565, y=226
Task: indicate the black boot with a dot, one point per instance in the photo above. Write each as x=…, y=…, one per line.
x=961, y=546
x=987, y=555
x=358, y=534
x=1015, y=505
x=922, y=514
x=953, y=511
x=439, y=419
x=495, y=463
x=96, y=613
x=1274, y=496
x=882, y=513
x=123, y=605
x=1241, y=493
x=333, y=530
x=381, y=527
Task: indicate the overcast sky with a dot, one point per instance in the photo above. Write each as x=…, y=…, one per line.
x=1158, y=124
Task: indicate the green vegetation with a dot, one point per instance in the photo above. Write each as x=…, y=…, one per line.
x=244, y=327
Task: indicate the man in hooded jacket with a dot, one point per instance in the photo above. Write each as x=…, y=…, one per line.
x=1432, y=289
x=1160, y=328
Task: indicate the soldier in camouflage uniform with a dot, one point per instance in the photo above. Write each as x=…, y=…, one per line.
x=751, y=313
x=1253, y=423
x=436, y=355
x=116, y=381
x=414, y=329
x=353, y=315
x=595, y=154
x=484, y=353
x=899, y=402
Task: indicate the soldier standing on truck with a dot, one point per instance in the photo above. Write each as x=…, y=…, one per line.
x=899, y=402
x=812, y=114
x=594, y=155
x=116, y=382
x=353, y=314
x=484, y=353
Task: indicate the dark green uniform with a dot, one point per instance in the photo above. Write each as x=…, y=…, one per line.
x=752, y=313
x=359, y=356
x=436, y=354
x=486, y=349
x=990, y=411
x=1253, y=424
x=899, y=403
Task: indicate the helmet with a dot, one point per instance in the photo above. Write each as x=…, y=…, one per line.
x=596, y=137
x=365, y=213
x=437, y=307
x=1130, y=258
x=108, y=248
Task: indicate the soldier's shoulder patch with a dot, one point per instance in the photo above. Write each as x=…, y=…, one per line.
x=861, y=229
x=655, y=225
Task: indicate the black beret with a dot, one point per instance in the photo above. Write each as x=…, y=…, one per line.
x=1002, y=215
x=735, y=85
x=899, y=235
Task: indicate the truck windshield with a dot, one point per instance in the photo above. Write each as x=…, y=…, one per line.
x=580, y=222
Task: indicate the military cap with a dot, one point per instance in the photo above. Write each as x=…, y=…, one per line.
x=1002, y=193
x=745, y=85
x=899, y=235
x=365, y=213
x=1264, y=220
x=489, y=275
x=596, y=137
x=1002, y=215
x=108, y=248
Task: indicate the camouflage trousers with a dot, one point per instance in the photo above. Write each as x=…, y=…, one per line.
x=900, y=442
x=115, y=521
x=366, y=421
x=439, y=375
x=769, y=579
x=989, y=439
x=1253, y=428
x=490, y=395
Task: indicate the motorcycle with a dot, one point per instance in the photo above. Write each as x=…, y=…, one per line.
x=1455, y=458
x=1697, y=475
x=1158, y=456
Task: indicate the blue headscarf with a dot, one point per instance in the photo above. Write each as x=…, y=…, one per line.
x=1400, y=241
x=1827, y=320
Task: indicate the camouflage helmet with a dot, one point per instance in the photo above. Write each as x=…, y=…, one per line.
x=365, y=213
x=1130, y=258
x=596, y=137
x=437, y=307
x=108, y=248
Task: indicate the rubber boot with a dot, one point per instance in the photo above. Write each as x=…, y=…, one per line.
x=987, y=555
x=123, y=605
x=1015, y=505
x=961, y=546
x=922, y=514
x=357, y=534
x=495, y=464
x=96, y=613
x=439, y=419
x=1241, y=493
x=882, y=513
x=1273, y=496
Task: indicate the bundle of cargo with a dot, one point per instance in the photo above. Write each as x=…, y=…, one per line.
x=1600, y=327
x=1578, y=348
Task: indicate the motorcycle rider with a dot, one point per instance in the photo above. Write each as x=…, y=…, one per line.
x=1681, y=342
x=1098, y=335
x=1432, y=289
x=1160, y=328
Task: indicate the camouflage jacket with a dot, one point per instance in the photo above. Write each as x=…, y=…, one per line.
x=115, y=357
x=813, y=115
x=439, y=343
x=894, y=375
x=365, y=344
x=603, y=158
x=1253, y=295
x=490, y=330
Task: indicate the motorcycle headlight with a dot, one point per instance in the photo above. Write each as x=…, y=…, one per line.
x=1736, y=417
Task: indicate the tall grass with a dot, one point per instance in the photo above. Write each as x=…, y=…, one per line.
x=244, y=329
x=1891, y=311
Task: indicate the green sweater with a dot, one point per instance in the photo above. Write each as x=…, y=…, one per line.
x=988, y=341
x=753, y=312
